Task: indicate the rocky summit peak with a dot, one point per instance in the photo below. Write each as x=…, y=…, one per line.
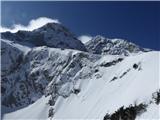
x=102, y=45
x=51, y=35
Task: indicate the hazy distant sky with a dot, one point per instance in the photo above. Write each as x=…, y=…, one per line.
x=138, y=22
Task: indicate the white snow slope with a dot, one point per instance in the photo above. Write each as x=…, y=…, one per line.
x=99, y=95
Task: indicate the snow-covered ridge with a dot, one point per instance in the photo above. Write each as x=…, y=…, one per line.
x=51, y=35
x=57, y=36
x=102, y=45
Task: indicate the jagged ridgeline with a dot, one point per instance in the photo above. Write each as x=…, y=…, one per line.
x=51, y=35
x=102, y=45
x=57, y=36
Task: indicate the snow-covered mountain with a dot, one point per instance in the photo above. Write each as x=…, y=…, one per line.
x=26, y=74
x=103, y=79
x=51, y=35
x=102, y=45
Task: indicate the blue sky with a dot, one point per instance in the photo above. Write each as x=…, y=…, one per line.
x=138, y=22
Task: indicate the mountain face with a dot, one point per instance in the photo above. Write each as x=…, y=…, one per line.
x=51, y=35
x=103, y=79
x=102, y=45
x=39, y=69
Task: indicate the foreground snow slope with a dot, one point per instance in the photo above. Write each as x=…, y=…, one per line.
x=106, y=90
x=101, y=96
x=37, y=110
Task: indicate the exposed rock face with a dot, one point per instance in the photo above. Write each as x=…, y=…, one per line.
x=128, y=113
x=51, y=35
x=42, y=70
x=102, y=45
x=11, y=58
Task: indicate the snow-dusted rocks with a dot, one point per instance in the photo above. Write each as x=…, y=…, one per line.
x=40, y=71
x=102, y=45
x=52, y=35
x=11, y=57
